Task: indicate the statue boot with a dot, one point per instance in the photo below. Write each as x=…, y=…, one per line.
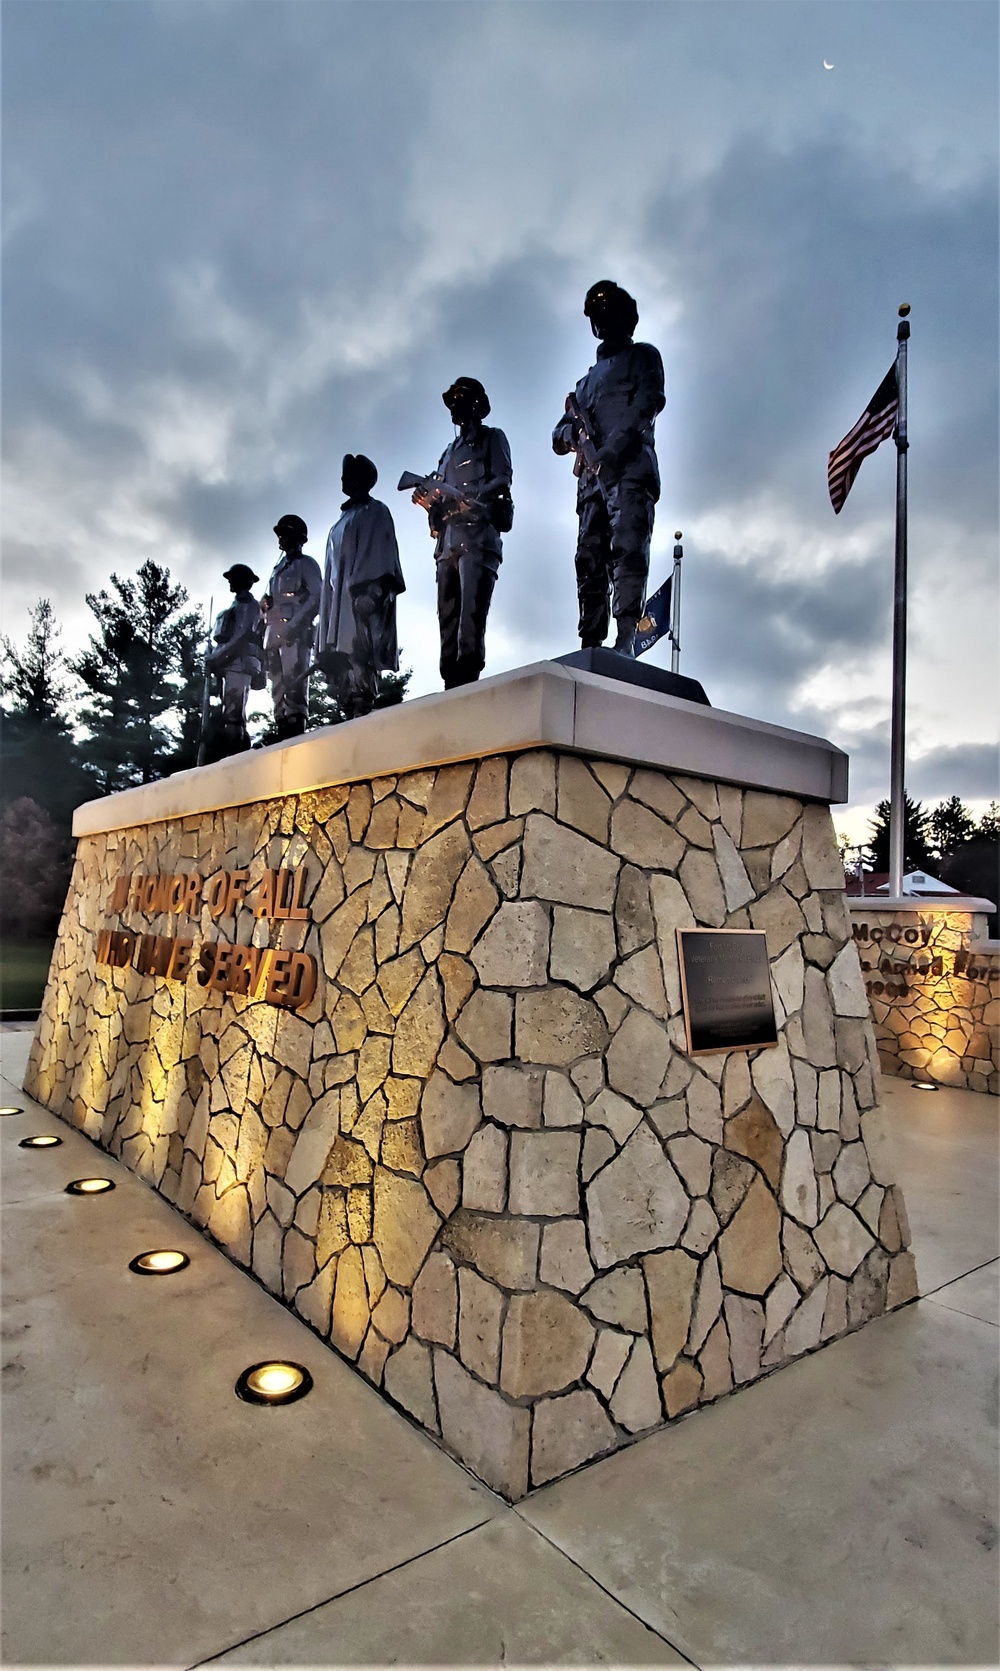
x=625, y=641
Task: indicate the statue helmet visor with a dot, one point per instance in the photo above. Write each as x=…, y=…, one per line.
x=467, y=392
x=241, y=576
x=292, y=524
x=610, y=309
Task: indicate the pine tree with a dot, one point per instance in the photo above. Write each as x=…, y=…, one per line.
x=989, y=824
x=916, y=845
x=949, y=825
x=41, y=760
x=36, y=678
x=138, y=671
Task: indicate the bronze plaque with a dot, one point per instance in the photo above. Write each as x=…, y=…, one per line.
x=726, y=987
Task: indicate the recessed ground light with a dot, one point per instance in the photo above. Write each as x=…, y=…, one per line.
x=273, y=1382
x=89, y=1186
x=924, y=1085
x=43, y=1141
x=159, y=1261
x=11, y=1108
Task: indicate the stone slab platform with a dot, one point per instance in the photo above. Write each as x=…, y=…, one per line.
x=546, y=705
x=474, y=1155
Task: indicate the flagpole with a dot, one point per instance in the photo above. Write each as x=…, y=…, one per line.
x=675, y=606
x=897, y=761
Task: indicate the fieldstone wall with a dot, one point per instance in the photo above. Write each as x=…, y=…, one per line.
x=934, y=992
x=480, y=1162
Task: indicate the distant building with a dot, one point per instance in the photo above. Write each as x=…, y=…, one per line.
x=917, y=882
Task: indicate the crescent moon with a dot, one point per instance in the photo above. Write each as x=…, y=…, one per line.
x=827, y=66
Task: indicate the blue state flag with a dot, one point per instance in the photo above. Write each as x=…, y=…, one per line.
x=655, y=622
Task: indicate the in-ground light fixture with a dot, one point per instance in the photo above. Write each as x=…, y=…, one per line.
x=89, y=1186
x=11, y=1108
x=159, y=1261
x=275, y=1381
x=44, y=1140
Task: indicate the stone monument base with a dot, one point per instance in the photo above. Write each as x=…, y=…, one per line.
x=933, y=983
x=394, y=1013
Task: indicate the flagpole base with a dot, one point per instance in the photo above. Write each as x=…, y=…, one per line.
x=612, y=664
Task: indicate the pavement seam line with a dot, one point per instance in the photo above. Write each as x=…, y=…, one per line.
x=338, y=1595
x=953, y=1279
x=971, y=1315
x=604, y=1589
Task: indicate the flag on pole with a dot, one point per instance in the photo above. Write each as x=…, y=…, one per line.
x=875, y=424
x=655, y=619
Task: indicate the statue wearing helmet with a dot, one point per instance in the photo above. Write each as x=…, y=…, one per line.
x=608, y=423
x=467, y=516
x=290, y=607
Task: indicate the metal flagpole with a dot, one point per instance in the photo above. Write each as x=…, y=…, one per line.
x=897, y=760
x=206, y=698
x=675, y=607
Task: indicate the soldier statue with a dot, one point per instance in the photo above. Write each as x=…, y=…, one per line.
x=238, y=658
x=290, y=607
x=357, y=624
x=469, y=506
x=608, y=423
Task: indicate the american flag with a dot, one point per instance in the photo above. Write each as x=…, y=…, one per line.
x=876, y=422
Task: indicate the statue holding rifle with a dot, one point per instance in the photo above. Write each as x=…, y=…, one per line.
x=608, y=424
x=237, y=659
x=469, y=506
x=290, y=607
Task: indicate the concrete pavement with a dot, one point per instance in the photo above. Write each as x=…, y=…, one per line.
x=151, y=1518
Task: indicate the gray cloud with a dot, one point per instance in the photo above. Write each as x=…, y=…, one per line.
x=244, y=239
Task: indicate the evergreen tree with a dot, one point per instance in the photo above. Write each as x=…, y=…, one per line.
x=949, y=825
x=138, y=670
x=35, y=679
x=916, y=840
x=40, y=758
x=989, y=824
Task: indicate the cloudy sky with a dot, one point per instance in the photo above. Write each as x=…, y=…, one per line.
x=245, y=236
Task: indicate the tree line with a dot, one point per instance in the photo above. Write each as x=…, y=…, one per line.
x=125, y=711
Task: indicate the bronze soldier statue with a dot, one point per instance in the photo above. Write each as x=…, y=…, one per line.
x=608, y=423
x=468, y=506
x=238, y=658
x=290, y=607
x=357, y=625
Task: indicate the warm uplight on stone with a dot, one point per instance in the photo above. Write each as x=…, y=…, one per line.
x=480, y=1161
x=933, y=987
x=275, y=1382
x=159, y=1262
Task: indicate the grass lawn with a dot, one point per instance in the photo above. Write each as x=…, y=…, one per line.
x=24, y=967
